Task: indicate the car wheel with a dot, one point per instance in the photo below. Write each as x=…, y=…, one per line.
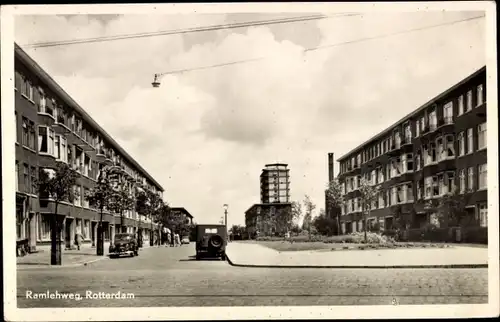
x=223, y=257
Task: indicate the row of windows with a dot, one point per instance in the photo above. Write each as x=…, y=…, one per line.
x=50, y=143
x=62, y=115
x=433, y=186
x=443, y=148
x=424, y=123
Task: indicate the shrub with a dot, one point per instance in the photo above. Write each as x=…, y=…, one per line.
x=475, y=235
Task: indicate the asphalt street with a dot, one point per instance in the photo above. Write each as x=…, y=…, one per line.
x=168, y=276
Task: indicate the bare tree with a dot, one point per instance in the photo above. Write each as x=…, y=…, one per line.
x=57, y=184
x=369, y=193
x=335, y=200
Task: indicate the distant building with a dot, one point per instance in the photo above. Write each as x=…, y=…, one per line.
x=275, y=183
x=184, y=212
x=257, y=218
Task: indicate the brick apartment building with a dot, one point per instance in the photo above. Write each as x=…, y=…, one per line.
x=51, y=127
x=439, y=147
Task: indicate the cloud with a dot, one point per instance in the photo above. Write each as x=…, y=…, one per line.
x=205, y=135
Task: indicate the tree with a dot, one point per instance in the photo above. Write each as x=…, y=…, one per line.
x=402, y=220
x=335, y=200
x=100, y=197
x=57, y=184
x=286, y=216
x=175, y=221
x=121, y=201
x=450, y=208
x=325, y=225
x=309, y=208
x=368, y=194
x=149, y=204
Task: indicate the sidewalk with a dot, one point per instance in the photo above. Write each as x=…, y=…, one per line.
x=255, y=255
x=70, y=258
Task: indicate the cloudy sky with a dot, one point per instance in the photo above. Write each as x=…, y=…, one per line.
x=205, y=135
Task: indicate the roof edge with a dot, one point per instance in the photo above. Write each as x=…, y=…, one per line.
x=414, y=112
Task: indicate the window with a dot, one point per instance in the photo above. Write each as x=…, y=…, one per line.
x=17, y=176
x=380, y=173
x=450, y=148
x=85, y=202
x=483, y=176
x=417, y=161
x=450, y=182
x=419, y=190
x=428, y=187
x=43, y=107
x=435, y=186
x=483, y=215
x=86, y=229
x=481, y=136
x=460, y=105
x=441, y=185
x=358, y=158
x=422, y=124
x=394, y=196
x=462, y=180
x=470, y=140
x=27, y=89
x=407, y=133
x=400, y=194
x=45, y=140
x=78, y=196
x=433, y=152
x=397, y=139
x=34, y=188
x=25, y=136
x=470, y=179
x=381, y=200
x=26, y=178
x=480, y=95
x=468, y=106
x=44, y=227
x=409, y=192
x=388, y=168
x=374, y=177
x=388, y=197
x=461, y=144
x=440, y=149
x=417, y=128
x=448, y=113
x=61, y=148
x=355, y=207
x=432, y=120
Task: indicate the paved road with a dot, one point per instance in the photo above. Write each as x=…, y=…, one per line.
x=170, y=277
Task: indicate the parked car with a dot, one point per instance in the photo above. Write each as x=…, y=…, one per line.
x=185, y=240
x=211, y=241
x=125, y=244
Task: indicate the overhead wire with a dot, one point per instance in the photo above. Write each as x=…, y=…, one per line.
x=186, y=30
x=324, y=46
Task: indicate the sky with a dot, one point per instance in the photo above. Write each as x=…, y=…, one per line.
x=206, y=135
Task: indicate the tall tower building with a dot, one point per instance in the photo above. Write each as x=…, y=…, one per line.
x=275, y=183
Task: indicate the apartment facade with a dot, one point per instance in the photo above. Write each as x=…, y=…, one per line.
x=51, y=127
x=439, y=147
x=275, y=183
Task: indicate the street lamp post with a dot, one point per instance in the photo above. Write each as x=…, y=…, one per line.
x=225, y=206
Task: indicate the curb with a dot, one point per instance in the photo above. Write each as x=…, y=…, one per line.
x=48, y=266
x=360, y=266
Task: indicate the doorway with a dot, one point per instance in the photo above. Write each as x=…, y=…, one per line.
x=68, y=232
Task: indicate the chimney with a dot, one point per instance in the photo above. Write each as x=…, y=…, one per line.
x=330, y=167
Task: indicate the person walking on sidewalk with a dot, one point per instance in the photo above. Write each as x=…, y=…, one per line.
x=78, y=240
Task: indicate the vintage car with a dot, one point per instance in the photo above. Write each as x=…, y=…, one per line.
x=185, y=240
x=125, y=244
x=211, y=241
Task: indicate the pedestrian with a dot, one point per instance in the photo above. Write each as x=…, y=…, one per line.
x=177, y=240
x=78, y=240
